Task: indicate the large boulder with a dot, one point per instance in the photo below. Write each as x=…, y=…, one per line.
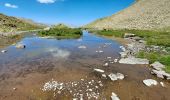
x=161, y=74
x=158, y=66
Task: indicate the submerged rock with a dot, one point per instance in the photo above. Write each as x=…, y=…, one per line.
x=4, y=51
x=133, y=60
x=150, y=82
x=117, y=76
x=20, y=46
x=82, y=47
x=114, y=96
x=106, y=64
x=157, y=65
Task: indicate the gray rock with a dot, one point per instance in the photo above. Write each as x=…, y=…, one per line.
x=133, y=60
x=157, y=65
x=150, y=82
x=161, y=74
x=20, y=46
x=123, y=54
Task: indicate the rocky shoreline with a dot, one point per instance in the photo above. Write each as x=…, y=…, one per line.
x=137, y=44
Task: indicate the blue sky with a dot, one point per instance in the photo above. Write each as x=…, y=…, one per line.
x=72, y=12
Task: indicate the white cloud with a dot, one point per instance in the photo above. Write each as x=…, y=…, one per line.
x=10, y=5
x=48, y=1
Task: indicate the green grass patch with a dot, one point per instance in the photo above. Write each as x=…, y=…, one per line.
x=63, y=32
x=159, y=38
x=154, y=56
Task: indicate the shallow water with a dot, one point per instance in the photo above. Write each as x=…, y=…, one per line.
x=23, y=72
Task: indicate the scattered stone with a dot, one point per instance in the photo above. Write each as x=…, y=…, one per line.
x=162, y=84
x=14, y=88
x=120, y=76
x=100, y=51
x=20, y=46
x=106, y=64
x=99, y=70
x=133, y=60
x=127, y=35
x=123, y=54
x=82, y=47
x=104, y=76
x=150, y=82
x=3, y=51
x=114, y=96
x=122, y=48
x=109, y=57
x=115, y=60
x=115, y=77
x=158, y=66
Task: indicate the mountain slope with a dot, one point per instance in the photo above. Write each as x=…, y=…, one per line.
x=11, y=24
x=143, y=14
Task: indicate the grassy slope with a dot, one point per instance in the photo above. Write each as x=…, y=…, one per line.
x=10, y=24
x=142, y=15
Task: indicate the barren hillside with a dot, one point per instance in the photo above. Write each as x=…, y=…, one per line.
x=143, y=14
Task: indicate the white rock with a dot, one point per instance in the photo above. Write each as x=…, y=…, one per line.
x=106, y=64
x=20, y=46
x=117, y=76
x=100, y=51
x=99, y=70
x=162, y=84
x=132, y=60
x=104, y=75
x=109, y=57
x=157, y=65
x=114, y=96
x=4, y=51
x=82, y=47
x=120, y=76
x=150, y=82
x=115, y=60
x=113, y=77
